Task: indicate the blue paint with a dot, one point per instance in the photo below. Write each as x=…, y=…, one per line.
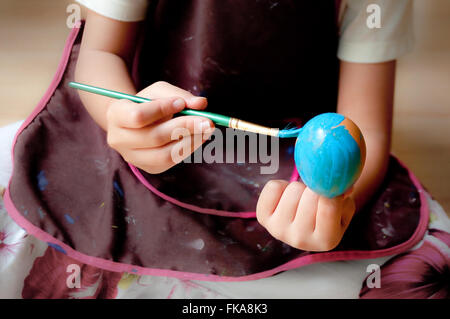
x=134, y=270
x=42, y=181
x=247, y=181
x=69, y=219
x=118, y=189
x=57, y=247
x=290, y=150
x=289, y=132
x=327, y=157
x=41, y=213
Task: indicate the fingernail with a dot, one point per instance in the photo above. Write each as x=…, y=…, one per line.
x=196, y=99
x=204, y=126
x=178, y=104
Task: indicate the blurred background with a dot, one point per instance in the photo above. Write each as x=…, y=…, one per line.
x=33, y=33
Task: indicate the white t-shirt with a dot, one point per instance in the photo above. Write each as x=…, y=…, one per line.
x=360, y=41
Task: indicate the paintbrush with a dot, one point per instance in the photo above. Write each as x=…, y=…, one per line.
x=216, y=118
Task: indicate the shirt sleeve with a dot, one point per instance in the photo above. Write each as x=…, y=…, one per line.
x=123, y=10
x=361, y=44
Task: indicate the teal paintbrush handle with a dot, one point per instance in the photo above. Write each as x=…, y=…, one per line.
x=216, y=118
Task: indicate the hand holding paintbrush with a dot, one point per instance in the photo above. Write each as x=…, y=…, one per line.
x=142, y=132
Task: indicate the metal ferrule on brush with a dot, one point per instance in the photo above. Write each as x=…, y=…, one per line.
x=251, y=127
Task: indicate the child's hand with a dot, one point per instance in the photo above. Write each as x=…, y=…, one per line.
x=144, y=133
x=294, y=214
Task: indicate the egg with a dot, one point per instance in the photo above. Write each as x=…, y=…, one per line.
x=329, y=154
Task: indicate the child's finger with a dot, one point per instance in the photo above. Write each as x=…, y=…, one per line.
x=177, y=128
x=269, y=198
x=348, y=210
x=305, y=217
x=163, y=89
x=328, y=218
x=134, y=115
x=287, y=206
x=167, y=155
x=181, y=149
x=163, y=133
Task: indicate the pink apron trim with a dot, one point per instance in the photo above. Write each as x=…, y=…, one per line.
x=295, y=176
x=54, y=84
x=194, y=208
x=121, y=267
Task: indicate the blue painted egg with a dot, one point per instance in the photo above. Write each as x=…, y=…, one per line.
x=329, y=154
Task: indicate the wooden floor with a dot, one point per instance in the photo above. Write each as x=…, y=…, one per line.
x=32, y=36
